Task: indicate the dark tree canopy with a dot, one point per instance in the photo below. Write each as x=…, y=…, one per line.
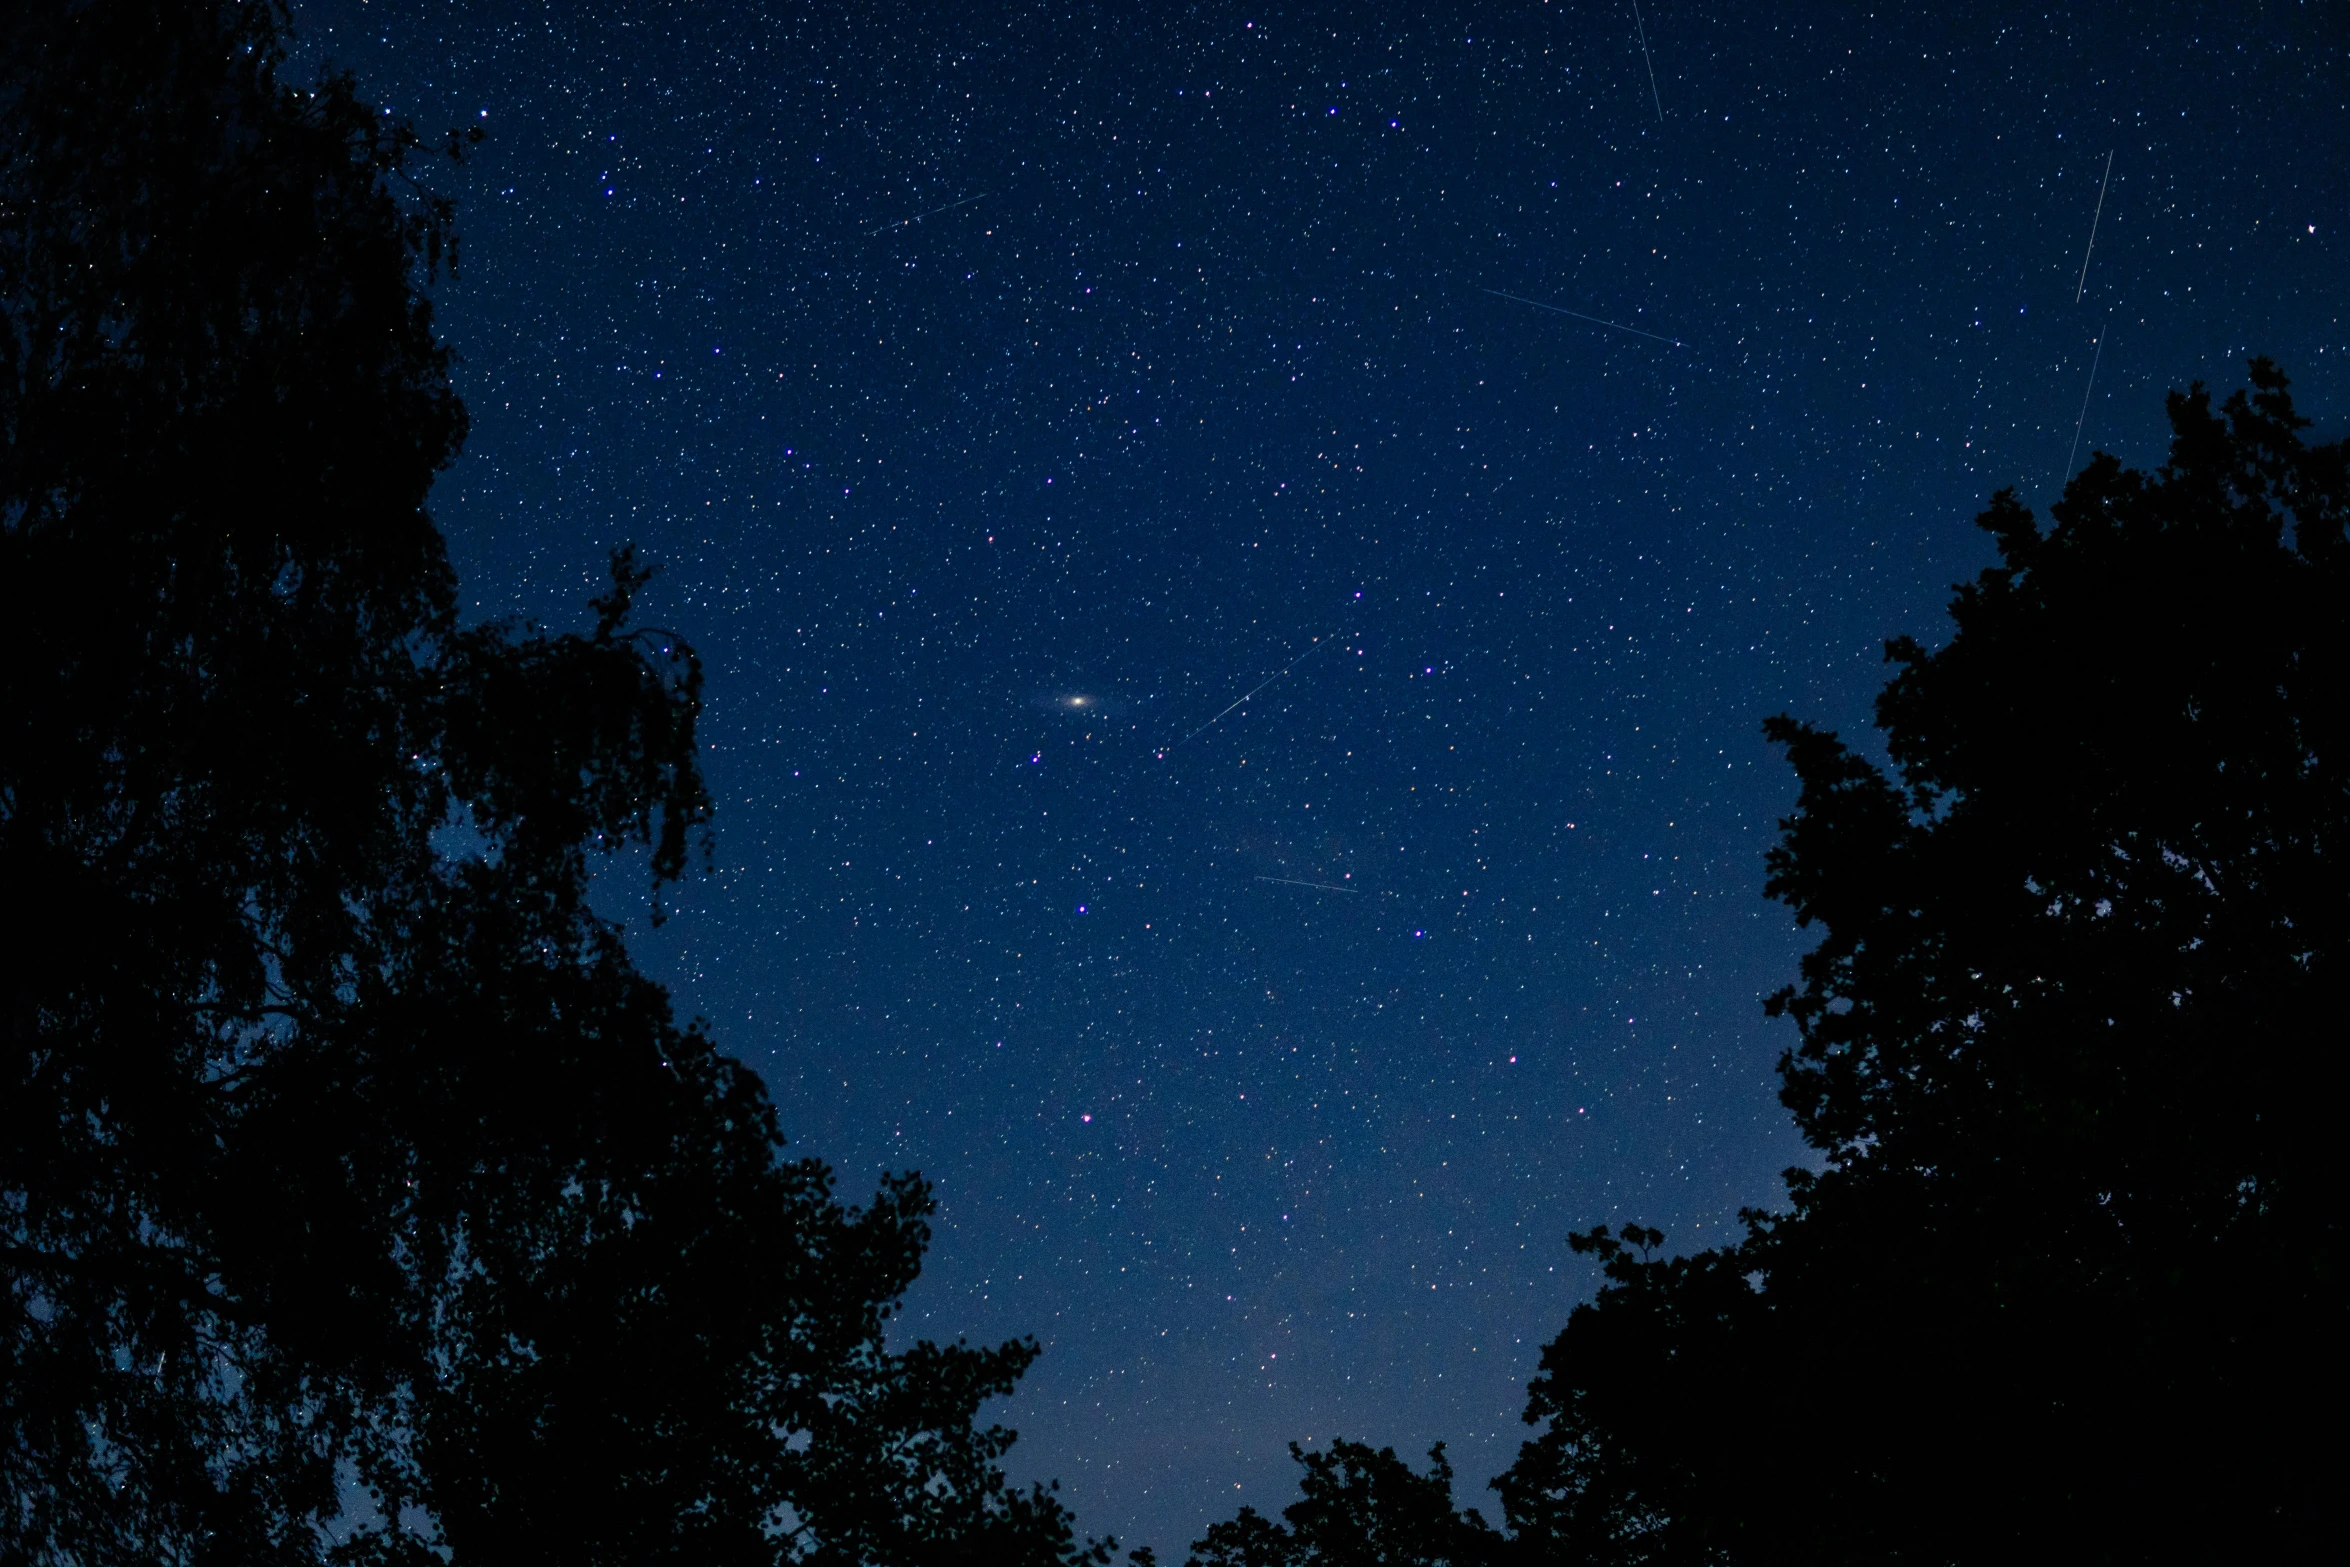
x=2068, y=1282
x=349, y=1171
x=1357, y=1507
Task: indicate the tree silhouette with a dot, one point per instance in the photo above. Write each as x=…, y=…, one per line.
x=359, y=1199
x=1358, y=1507
x=2067, y=1283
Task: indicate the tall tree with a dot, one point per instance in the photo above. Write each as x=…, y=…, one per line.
x=358, y=1197
x=2068, y=1278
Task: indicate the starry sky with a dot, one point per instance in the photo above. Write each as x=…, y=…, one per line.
x=1513, y=416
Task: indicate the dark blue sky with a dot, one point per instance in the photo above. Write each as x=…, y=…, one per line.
x=1262, y=1076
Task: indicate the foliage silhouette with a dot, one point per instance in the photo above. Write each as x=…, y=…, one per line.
x=1358, y=1507
x=358, y=1198
x=2068, y=1282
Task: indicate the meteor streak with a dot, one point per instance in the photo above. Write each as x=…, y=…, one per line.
x=1651, y=64
x=1252, y=691
x=919, y=216
x=1613, y=326
x=2094, y=362
x=2082, y=286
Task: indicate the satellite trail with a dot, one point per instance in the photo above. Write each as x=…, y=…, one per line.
x=2082, y=286
x=1651, y=64
x=1613, y=326
x=1252, y=691
x=1318, y=886
x=2096, y=360
x=919, y=216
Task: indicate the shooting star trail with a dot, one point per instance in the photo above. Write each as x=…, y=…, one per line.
x=2097, y=359
x=1613, y=326
x=1652, y=92
x=919, y=216
x=2082, y=286
x=1252, y=691
x=1318, y=886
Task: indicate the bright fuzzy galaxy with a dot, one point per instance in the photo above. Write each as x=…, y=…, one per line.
x=1007, y=392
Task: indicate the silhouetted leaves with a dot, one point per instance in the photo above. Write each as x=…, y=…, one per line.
x=351, y=1171
x=1358, y=1507
x=2067, y=1283
x=2068, y=1280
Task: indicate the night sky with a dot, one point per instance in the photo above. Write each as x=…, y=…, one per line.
x=1006, y=391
